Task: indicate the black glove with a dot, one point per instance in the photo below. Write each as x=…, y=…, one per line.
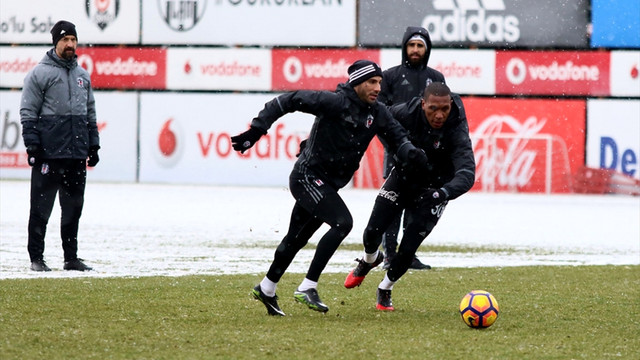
x=247, y=139
x=93, y=156
x=433, y=197
x=303, y=144
x=413, y=162
x=34, y=153
x=418, y=160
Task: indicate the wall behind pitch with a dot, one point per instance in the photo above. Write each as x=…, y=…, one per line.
x=117, y=123
x=185, y=138
x=249, y=22
x=97, y=22
x=616, y=23
x=494, y=24
x=613, y=139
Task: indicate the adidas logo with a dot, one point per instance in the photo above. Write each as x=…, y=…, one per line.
x=471, y=20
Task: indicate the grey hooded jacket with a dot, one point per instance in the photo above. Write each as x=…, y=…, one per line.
x=57, y=109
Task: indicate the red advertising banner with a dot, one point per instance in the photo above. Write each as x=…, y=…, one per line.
x=125, y=68
x=314, y=69
x=526, y=145
x=552, y=73
x=531, y=146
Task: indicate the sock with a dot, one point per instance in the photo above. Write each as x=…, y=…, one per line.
x=307, y=284
x=386, y=284
x=370, y=258
x=268, y=287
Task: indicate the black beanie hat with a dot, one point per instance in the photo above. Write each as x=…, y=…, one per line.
x=61, y=29
x=362, y=70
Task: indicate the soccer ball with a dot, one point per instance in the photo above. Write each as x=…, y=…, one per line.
x=479, y=309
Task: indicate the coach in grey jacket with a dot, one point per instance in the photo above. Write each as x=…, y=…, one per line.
x=58, y=117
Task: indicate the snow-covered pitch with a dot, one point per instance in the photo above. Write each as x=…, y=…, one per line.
x=173, y=230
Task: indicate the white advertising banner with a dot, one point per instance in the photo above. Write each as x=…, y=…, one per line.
x=117, y=124
x=13, y=156
x=613, y=135
x=465, y=71
x=17, y=61
x=97, y=21
x=117, y=116
x=219, y=69
x=250, y=22
x=185, y=138
x=625, y=73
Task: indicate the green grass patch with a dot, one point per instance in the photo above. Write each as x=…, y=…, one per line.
x=547, y=312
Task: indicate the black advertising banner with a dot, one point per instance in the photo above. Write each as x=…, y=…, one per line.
x=482, y=23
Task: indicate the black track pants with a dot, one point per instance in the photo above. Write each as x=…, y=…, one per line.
x=317, y=203
x=419, y=221
x=68, y=179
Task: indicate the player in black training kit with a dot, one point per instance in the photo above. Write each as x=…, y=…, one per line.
x=438, y=125
x=401, y=84
x=346, y=121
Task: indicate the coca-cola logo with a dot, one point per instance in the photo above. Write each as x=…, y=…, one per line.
x=510, y=163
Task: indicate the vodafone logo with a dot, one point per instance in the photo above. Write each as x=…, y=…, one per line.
x=517, y=71
x=169, y=146
x=118, y=66
x=86, y=62
x=292, y=69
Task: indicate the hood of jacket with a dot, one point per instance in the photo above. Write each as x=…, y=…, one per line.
x=51, y=58
x=412, y=30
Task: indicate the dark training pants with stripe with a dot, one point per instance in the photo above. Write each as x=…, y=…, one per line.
x=64, y=177
x=420, y=219
x=317, y=203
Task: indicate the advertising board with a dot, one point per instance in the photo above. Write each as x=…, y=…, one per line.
x=465, y=71
x=531, y=146
x=625, y=73
x=616, y=23
x=488, y=23
x=249, y=22
x=552, y=73
x=17, y=61
x=315, y=69
x=124, y=68
x=97, y=21
x=117, y=124
x=218, y=69
x=185, y=138
x=613, y=139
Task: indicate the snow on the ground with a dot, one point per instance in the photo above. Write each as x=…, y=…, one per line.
x=154, y=229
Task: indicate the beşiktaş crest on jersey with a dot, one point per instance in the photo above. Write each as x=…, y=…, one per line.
x=182, y=15
x=369, y=121
x=102, y=12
